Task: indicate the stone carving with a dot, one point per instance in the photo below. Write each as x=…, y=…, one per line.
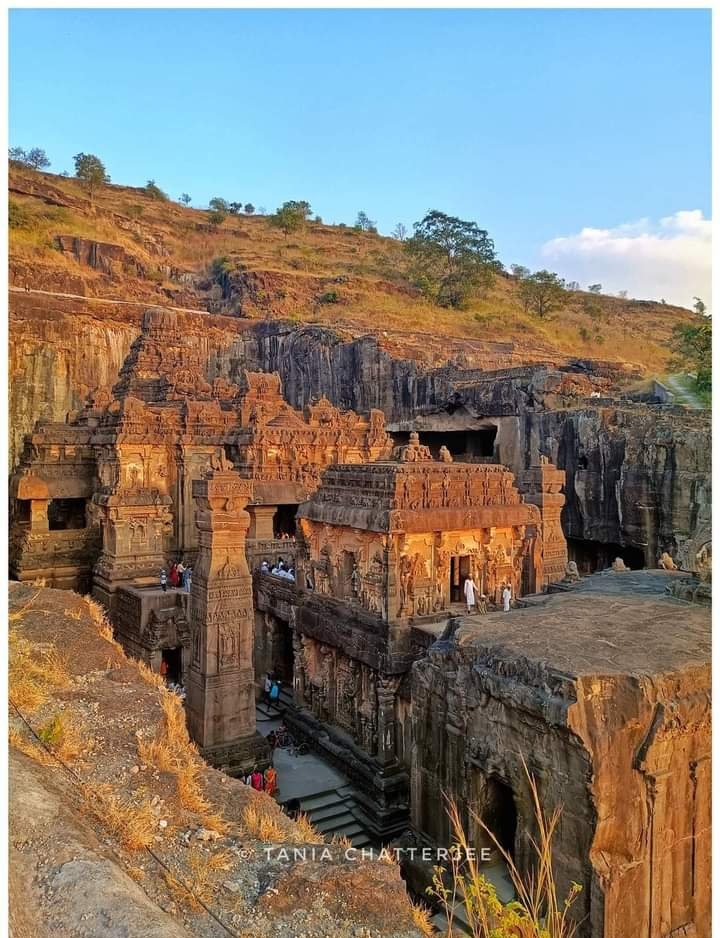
x=572, y=574
x=666, y=562
x=618, y=565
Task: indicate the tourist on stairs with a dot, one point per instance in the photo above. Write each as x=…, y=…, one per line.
x=163, y=579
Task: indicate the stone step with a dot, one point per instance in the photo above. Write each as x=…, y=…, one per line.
x=321, y=799
x=337, y=823
x=330, y=811
x=348, y=830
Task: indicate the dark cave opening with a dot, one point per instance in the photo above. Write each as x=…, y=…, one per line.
x=593, y=556
x=464, y=445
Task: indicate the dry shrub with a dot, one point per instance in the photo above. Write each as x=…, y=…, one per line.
x=204, y=871
x=421, y=917
x=99, y=618
x=72, y=613
x=27, y=746
x=259, y=822
x=172, y=751
x=537, y=912
x=149, y=676
x=133, y=825
x=307, y=834
x=34, y=671
x=340, y=840
x=64, y=738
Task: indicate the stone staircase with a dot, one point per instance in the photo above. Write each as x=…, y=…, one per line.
x=273, y=711
x=331, y=813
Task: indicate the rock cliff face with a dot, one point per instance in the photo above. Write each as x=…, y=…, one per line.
x=637, y=476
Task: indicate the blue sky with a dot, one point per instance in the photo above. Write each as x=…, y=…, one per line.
x=538, y=124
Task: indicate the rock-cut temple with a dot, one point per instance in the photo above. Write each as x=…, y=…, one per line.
x=591, y=685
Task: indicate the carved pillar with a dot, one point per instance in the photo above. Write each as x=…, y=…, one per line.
x=39, y=515
x=298, y=671
x=261, y=522
x=542, y=485
x=386, y=691
x=221, y=687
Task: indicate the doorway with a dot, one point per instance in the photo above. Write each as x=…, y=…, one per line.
x=172, y=665
x=459, y=570
x=500, y=814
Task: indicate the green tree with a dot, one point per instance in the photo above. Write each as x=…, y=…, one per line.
x=595, y=288
x=185, y=199
x=399, y=232
x=691, y=346
x=364, y=223
x=517, y=270
x=235, y=208
x=90, y=170
x=249, y=208
x=34, y=159
x=699, y=307
x=154, y=191
x=215, y=217
x=217, y=204
x=542, y=292
x=450, y=258
x=291, y=216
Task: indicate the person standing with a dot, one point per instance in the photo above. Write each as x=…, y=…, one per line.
x=256, y=779
x=173, y=578
x=271, y=785
x=163, y=580
x=470, y=592
x=187, y=579
x=267, y=687
x=506, y=597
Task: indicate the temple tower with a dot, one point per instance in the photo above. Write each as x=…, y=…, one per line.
x=221, y=690
x=542, y=485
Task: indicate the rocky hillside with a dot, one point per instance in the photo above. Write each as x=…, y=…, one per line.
x=118, y=828
x=130, y=247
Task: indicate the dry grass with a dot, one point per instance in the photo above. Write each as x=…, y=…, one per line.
x=260, y=822
x=538, y=911
x=172, y=751
x=66, y=739
x=306, y=833
x=30, y=748
x=132, y=824
x=421, y=917
x=99, y=618
x=34, y=671
x=204, y=871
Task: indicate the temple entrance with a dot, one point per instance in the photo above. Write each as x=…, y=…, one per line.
x=171, y=666
x=23, y=511
x=499, y=813
x=347, y=566
x=284, y=522
x=459, y=570
x=282, y=653
x=66, y=514
x=593, y=556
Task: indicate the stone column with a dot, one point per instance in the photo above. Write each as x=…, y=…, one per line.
x=39, y=515
x=221, y=686
x=542, y=485
x=386, y=690
x=261, y=522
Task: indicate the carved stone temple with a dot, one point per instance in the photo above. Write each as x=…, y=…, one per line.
x=599, y=684
x=221, y=680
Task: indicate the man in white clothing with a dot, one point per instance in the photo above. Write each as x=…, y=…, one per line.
x=470, y=591
x=506, y=597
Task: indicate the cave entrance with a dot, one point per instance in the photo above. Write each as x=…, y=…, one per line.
x=65, y=514
x=464, y=445
x=171, y=665
x=281, y=655
x=500, y=814
x=284, y=522
x=593, y=556
x=459, y=570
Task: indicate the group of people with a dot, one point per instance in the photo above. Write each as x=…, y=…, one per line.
x=263, y=781
x=177, y=575
x=477, y=602
x=280, y=569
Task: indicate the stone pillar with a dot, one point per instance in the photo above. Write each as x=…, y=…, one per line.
x=542, y=485
x=221, y=686
x=39, y=515
x=386, y=690
x=261, y=522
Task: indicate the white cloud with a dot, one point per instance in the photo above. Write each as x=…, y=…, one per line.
x=670, y=259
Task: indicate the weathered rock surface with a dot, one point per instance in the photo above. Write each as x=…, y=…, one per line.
x=606, y=699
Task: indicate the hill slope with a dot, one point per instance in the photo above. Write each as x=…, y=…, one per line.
x=128, y=246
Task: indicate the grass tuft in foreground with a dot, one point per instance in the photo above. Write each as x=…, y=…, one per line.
x=538, y=911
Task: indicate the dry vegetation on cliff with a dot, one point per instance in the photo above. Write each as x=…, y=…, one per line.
x=110, y=844
x=154, y=251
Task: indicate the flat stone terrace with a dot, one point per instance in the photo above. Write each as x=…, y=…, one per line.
x=609, y=623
